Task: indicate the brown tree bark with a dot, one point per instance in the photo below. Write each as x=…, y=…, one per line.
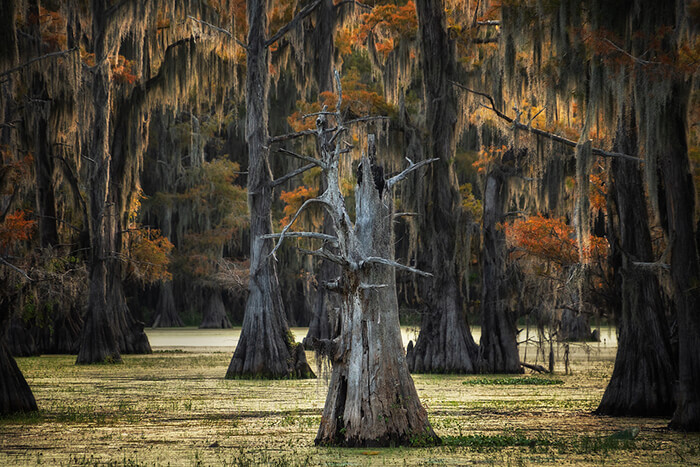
x=214, y=315
x=642, y=380
x=498, y=347
x=15, y=394
x=445, y=343
x=265, y=348
x=166, y=311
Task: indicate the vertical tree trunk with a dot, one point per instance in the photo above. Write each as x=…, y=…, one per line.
x=642, y=380
x=214, y=315
x=685, y=270
x=498, y=347
x=372, y=400
x=166, y=311
x=98, y=342
x=15, y=394
x=265, y=348
x=445, y=343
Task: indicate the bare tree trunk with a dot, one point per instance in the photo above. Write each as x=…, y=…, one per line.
x=265, y=348
x=498, y=347
x=445, y=343
x=214, y=316
x=166, y=311
x=642, y=380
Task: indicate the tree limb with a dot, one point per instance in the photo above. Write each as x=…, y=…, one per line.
x=313, y=160
x=306, y=11
x=284, y=178
x=317, y=235
x=36, y=59
x=221, y=30
x=538, y=368
x=16, y=269
x=325, y=255
x=288, y=136
x=397, y=178
x=546, y=134
x=388, y=262
x=282, y=234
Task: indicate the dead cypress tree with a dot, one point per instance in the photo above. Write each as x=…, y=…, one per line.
x=445, y=343
x=371, y=399
x=642, y=379
x=265, y=348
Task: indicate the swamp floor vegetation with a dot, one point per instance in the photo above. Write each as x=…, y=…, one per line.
x=175, y=408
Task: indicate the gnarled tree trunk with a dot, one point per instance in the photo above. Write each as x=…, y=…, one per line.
x=644, y=372
x=445, y=343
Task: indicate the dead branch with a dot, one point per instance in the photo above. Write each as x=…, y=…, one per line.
x=313, y=160
x=546, y=134
x=412, y=166
x=538, y=368
x=321, y=253
x=12, y=266
x=306, y=11
x=36, y=59
x=284, y=178
x=317, y=235
x=394, y=264
x=282, y=234
x=288, y=136
x=488, y=23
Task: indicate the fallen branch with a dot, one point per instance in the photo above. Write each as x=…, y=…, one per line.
x=538, y=368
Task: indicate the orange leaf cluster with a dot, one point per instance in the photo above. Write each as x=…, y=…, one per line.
x=52, y=26
x=389, y=23
x=149, y=255
x=14, y=229
x=294, y=199
x=551, y=240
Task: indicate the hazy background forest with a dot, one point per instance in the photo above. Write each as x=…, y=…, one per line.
x=156, y=154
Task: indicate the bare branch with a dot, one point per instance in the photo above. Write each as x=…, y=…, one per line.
x=282, y=234
x=405, y=214
x=300, y=170
x=394, y=264
x=36, y=59
x=488, y=23
x=546, y=134
x=306, y=11
x=16, y=269
x=218, y=29
x=321, y=253
x=313, y=160
x=636, y=59
x=287, y=137
x=397, y=178
x=317, y=235
x=365, y=286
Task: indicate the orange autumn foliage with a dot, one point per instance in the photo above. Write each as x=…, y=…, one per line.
x=550, y=239
x=388, y=23
x=293, y=201
x=14, y=229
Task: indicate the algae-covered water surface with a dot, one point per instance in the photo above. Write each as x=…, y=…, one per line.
x=174, y=407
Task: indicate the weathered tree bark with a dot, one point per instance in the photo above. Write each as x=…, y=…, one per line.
x=214, y=315
x=166, y=311
x=15, y=394
x=265, y=348
x=499, y=346
x=445, y=343
x=685, y=270
x=642, y=380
